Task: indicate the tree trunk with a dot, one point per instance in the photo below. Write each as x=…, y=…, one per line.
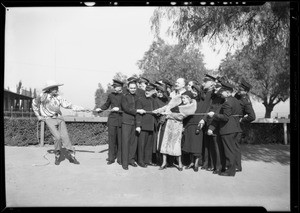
x=269, y=110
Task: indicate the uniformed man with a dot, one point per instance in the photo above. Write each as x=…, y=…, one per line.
x=142, y=82
x=169, y=86
x=114, y=122
x=129, y=136
x=228, y=120
x=248, y=113
x=145, y=126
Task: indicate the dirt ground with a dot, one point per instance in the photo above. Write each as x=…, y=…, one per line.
x=33, y=181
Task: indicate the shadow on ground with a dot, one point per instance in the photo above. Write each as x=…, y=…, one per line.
x=267, y=153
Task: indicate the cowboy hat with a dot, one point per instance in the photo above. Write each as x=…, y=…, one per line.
x=50, y=84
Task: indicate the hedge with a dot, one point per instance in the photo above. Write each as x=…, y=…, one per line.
x=23, y=132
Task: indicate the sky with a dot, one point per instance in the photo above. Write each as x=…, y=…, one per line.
x=82, y=47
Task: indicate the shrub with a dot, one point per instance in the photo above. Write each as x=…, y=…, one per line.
x=25, y=131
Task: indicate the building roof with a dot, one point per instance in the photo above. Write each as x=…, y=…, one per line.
x=16, y=94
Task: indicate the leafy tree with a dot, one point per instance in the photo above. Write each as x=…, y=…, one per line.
x=269, y=74
x=100, y=98
x=34, y=93
x=19, y=87
x=164, y=61
x=232, y=26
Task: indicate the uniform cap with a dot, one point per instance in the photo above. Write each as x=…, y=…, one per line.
x=150, y=87
x=208, y=77
x=142, y=79
x=245, y=85
x=117, y=83
x=167, y=82
x=227, y=86
x=132, y=79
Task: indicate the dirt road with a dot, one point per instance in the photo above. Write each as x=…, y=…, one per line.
x=265, y=181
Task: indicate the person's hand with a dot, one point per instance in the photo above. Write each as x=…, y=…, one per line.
x=115, y=109
x=210, y=114
x=40, y=118
x=209, y=132
x=140, y=111
x=138, y=129
x=98, y=110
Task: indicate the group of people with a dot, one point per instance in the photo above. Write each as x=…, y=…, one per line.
x=163, y=124
x=166, y=125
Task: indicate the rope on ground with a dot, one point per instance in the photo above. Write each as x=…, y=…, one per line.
x=45, y=163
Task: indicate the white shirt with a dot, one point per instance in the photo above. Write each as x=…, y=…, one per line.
x=47, y=105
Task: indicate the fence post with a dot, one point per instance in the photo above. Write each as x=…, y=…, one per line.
x=22, y=112
x=11, y=107
x=285, y=133
x=42, y=133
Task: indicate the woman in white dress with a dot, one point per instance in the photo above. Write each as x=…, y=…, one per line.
x=172, y=135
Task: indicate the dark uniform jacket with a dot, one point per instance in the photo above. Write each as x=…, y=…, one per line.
x=203, y=105
x=216, y=103
x=229, y=123
x=128, y=105
x=246, y=108
x=145, y=121
x=113, y=100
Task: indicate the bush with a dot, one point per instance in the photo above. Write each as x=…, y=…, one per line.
x=25, y=131
x=262, y=133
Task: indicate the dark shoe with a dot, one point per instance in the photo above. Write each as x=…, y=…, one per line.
x=216, y=171
x=190, y=166
x=209, y=169
x=142, y=165
x=119, y=163
x=73, y=160
x=163, y=167
x=133, y=164
x=110, y=162
x=196, y=168
x=225, y=174
x=125, y=167
x=180, y=168
x=204, y=168
x=151, y=164
x=57, y=162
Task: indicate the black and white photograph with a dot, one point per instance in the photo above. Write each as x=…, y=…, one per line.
x=181, y=104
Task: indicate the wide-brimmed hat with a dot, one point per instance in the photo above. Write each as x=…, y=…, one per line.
x=51, y=84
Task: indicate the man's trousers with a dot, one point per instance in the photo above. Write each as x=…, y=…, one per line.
x=145, y=147
x=129, y=144
x=114, y=143
x=58, y=129
x=230, y=148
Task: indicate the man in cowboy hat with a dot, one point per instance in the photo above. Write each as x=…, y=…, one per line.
x=248, y=113
x=114, y=122
x=229, y=126
x=47, y=107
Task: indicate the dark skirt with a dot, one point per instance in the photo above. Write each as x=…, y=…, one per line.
x=192, y=142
